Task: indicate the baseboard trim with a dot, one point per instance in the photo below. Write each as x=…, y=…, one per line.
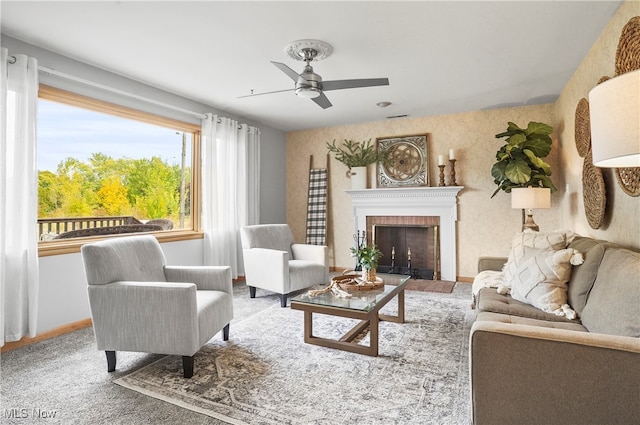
x=60, y=330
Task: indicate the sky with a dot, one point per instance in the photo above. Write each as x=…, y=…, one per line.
x=66, y=131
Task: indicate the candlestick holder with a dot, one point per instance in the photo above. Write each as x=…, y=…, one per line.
x=441, y=167
x=452, y=181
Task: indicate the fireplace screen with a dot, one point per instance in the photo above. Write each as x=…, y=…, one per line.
x=408, y=249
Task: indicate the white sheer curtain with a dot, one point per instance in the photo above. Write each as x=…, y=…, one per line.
x=18, y=197
x=230, y=188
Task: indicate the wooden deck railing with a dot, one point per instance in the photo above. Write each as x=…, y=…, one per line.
x=67, y=224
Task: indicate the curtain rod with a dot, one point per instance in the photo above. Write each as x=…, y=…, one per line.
x=118, y=91
x=12, y=59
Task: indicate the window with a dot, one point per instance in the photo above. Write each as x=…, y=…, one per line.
x=104, y=169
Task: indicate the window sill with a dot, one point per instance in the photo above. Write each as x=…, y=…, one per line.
x=50, y=248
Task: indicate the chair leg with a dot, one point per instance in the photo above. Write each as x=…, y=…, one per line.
x=283, y=300
x=111, y=360
x=225, y=332
x=252, y=291
x=187, y=365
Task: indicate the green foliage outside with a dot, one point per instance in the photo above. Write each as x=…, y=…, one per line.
x=143, y=188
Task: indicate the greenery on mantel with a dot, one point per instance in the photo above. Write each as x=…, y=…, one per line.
x=519, y=161
x=354, y=154
x=367, y=256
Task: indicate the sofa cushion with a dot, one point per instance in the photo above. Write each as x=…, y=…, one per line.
x=540, y=278
x=613, y=305
x=490, y=301
x=519, y=320
x=582, y=277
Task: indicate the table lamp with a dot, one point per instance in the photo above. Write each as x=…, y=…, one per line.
x=530, y=198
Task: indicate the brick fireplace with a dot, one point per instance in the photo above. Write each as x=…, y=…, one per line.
x=432, y=208
x=410, y=244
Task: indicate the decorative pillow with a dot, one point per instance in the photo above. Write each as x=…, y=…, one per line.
x=529, y=238
x=552, y=240
x=540, y=278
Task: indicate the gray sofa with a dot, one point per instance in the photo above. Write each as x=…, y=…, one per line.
x=532, y=367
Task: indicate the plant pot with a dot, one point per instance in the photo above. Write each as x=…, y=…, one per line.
x=369, y=275
x=358, y=176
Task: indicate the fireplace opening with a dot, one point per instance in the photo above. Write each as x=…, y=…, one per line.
x=409, y=249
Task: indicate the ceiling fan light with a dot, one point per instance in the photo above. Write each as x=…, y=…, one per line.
x=308, y=92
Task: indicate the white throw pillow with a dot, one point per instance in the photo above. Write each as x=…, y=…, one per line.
x=529, y=238
x=540, y=278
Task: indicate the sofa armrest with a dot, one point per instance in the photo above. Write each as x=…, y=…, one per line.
x=267, y=269
x=207, y=278
x=531, y=375
x=491, y=263
x=314, y=253
x=155, y=317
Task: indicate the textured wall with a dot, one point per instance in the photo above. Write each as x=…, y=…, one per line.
x=622, y=218
x=485, y=225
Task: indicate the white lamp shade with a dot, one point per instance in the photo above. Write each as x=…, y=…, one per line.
x=615, y=121
x=530, y=197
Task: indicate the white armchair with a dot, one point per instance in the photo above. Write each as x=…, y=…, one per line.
x=272, y=261
x=140, y=304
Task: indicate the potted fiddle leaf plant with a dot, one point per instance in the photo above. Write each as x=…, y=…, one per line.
x=367, y=256
x=520, y=161
x=357, y=156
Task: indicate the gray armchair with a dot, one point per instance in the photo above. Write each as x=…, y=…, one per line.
x=272, y=261
x=140, y=304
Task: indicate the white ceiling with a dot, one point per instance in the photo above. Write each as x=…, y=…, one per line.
x=440, y=57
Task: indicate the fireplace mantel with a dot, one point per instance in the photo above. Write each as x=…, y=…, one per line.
x=439, y=202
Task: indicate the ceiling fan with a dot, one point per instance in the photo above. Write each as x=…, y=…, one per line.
x=308, y=84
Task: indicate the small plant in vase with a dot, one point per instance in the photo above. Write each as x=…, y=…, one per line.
x=367, y=256
x=357, y=156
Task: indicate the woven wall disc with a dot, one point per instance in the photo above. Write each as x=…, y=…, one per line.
x=593, y=192
x=603, y=79
x=583, y=128
x=629, y=180
x=628, y=51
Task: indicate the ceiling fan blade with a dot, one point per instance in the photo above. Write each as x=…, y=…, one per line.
x=268, y=92
x=352, y=84
x=290, y=72
x=322, y=101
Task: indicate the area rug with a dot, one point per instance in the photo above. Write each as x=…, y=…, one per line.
x=266, y=374
x=443, y=286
